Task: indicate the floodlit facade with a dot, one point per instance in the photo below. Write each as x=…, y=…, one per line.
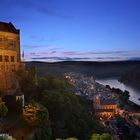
x=105, y=108
x=10, y=60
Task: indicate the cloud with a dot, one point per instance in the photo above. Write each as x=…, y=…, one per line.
x=99, y=59
x=56, y=55
x=55, y=49
x=82, y=53
x=37, y=38
x=70, y=53
x=59, y=58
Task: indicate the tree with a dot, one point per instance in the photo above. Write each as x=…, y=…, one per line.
x=71, y=139
x=7, y=139
x=28, y=82
x=3, y=139
x=67, y=139
x=37, y=116
x=30, y=114
x=95, y=137
x=69, y=115
x=104, y=136
x=44, y=131
x=3, y=109
x=108, y=86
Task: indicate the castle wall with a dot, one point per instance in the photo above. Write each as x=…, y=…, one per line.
x=9, y=59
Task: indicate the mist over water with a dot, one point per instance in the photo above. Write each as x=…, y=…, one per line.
x=113, y=82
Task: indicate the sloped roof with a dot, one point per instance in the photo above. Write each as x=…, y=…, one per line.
x=104, y=110
x=8, y=27
x=108, y=102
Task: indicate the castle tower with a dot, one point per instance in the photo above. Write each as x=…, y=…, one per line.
x=10, y=60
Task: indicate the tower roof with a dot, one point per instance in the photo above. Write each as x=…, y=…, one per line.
x=8, y=27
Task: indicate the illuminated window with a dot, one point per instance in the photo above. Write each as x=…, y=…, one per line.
x=6, y=58
x=11, y=44
x=12, y=59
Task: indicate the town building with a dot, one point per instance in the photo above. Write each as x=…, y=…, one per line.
x=105, y=108
x=10, y=61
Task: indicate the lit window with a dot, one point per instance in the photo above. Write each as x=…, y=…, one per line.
x=6, y=58
x=12, y=59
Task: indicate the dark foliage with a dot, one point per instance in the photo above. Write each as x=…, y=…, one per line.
x=69, y=114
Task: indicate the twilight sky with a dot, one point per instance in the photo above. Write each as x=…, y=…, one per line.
x=56, y=30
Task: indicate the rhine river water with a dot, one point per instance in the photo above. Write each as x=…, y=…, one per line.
x=113, y=82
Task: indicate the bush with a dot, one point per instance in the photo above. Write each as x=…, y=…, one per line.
x=3, y=109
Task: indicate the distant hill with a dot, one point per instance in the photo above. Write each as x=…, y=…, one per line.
x=132, y=76
x=99, y=69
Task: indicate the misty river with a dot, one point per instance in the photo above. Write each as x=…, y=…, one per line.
x=113, y=82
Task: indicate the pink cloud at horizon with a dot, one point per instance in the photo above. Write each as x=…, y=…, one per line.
x=56, y=53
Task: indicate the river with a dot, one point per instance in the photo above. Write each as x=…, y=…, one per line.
x=113, y=82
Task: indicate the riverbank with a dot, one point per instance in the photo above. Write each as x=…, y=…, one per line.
x=132, y=84
x=123, y=100
x=133, y=90
x=132, y=76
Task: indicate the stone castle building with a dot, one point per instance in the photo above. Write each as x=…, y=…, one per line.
x=10, y=60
